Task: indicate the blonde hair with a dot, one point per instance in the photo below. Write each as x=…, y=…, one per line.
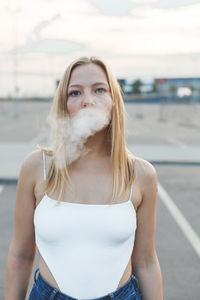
x=120, y=157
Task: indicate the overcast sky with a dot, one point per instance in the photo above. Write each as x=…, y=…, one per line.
x=137, y=38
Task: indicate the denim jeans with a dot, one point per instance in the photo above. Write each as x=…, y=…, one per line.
x=42, y=290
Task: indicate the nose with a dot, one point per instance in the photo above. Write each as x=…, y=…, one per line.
x=87, y=99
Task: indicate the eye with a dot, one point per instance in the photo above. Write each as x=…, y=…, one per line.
x=101, y=89
x=75, y=91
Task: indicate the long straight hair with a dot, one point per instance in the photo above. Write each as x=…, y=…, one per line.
x=122, y=160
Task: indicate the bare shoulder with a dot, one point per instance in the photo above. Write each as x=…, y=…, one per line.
x=146, y=174
x=31, y=160
x=32, y=164
x=144, y=167
x=28, y=168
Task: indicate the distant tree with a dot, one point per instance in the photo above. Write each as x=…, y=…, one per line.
x=154, y=88
x=136, y=85
x=192, y=88
x=172, y=88
x=121, y=83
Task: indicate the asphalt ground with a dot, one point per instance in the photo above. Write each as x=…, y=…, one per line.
x=152, y=124
x=147, y=125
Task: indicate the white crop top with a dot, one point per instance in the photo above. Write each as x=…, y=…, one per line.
x=85, y=246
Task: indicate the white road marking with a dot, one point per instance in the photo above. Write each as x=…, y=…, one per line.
x=190, y=234
x=1, y=188
x=175, y=141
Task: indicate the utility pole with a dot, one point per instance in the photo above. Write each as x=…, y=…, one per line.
x=13, y=12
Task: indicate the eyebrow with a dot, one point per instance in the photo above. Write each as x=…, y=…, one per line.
x=96, y=83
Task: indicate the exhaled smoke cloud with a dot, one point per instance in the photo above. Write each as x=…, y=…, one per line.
x=69, y=134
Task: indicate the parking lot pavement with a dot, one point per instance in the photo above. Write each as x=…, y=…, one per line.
x=179, y=259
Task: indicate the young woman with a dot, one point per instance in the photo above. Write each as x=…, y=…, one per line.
x=95, y=240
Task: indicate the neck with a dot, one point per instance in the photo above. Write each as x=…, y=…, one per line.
x=98, y=146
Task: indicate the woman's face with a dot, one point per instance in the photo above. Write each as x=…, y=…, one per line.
x=88, y=86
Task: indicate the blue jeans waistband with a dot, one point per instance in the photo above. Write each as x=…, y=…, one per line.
x=49, y=291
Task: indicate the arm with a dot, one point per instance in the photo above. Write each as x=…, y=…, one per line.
x=145, y=262
x=22, y=248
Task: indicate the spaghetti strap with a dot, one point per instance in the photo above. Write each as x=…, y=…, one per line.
x=131, y=192
x=44, y=164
